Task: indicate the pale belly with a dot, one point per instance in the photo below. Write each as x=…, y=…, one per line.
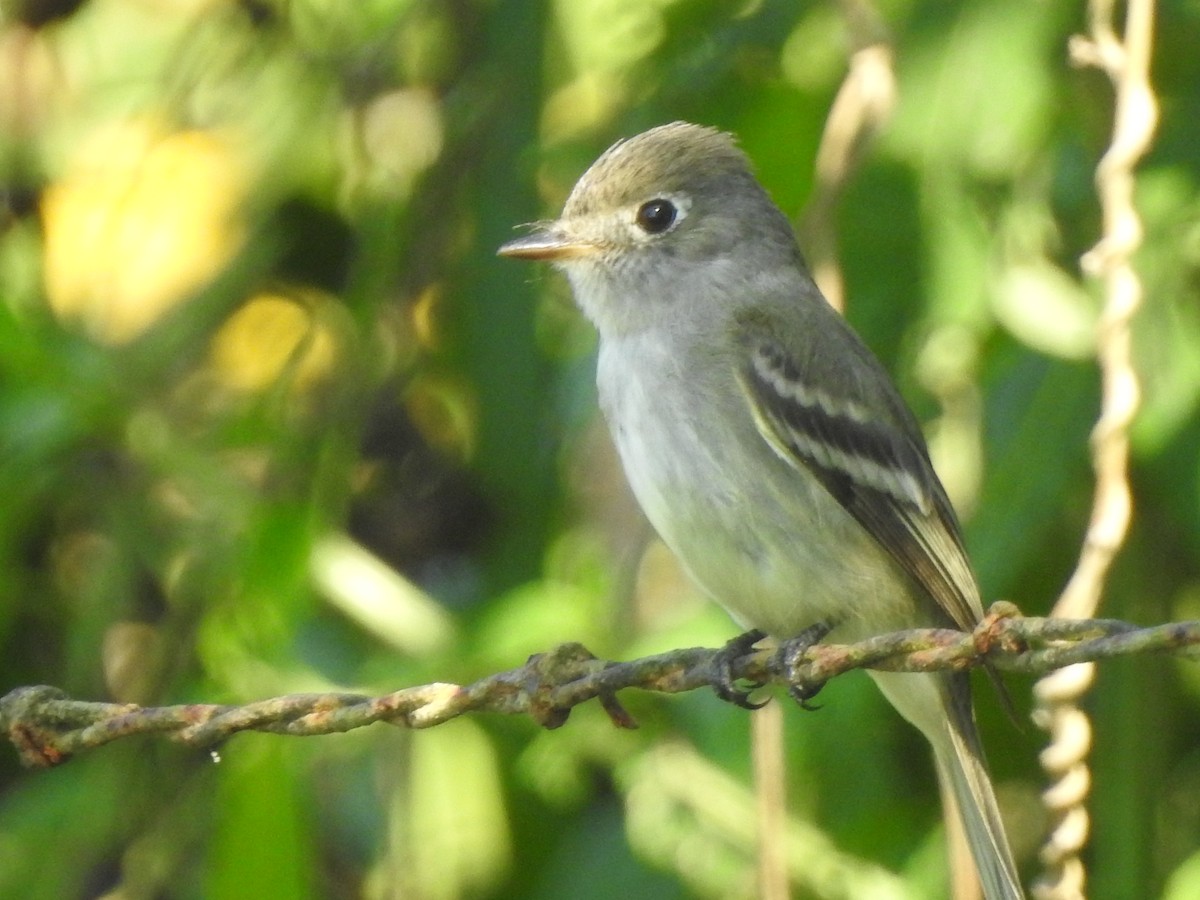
x=763, y=539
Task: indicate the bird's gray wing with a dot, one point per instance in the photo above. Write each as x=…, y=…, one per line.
x=855, y=434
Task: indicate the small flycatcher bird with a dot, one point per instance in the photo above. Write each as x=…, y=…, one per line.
x=766, y=444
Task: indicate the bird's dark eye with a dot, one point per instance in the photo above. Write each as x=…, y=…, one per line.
x=656, y=216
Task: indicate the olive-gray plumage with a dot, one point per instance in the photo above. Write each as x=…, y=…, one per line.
x=766, y=444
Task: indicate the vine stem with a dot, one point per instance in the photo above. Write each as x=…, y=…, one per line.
x=1126, y=61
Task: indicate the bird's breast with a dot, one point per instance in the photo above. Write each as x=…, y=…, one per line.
x=762, y=538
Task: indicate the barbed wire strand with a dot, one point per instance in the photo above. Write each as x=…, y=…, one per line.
x=1126, y=61
x=47, y=727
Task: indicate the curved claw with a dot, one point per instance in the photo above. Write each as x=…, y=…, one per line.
x=738, y=697
x=791, y=655
x=724, y=683
x=803, y=696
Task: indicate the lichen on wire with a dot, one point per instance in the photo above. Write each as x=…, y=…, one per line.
x=1126, y=60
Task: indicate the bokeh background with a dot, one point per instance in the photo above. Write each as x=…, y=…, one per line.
x=274, y=418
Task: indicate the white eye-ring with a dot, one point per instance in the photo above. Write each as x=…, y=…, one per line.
x=661, y=213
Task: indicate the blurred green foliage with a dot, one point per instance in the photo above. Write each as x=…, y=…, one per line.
x=274, y=418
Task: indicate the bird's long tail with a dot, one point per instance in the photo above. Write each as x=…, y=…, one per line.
x=941, y=708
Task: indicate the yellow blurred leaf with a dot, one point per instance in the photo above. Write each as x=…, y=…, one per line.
x=269, y=336
x=142, y=218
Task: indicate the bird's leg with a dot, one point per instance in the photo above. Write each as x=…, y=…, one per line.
x=791, y=658
x=723, y=681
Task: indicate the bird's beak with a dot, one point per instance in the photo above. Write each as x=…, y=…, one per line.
x=547, y=241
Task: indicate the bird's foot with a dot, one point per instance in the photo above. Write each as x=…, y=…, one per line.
x=791, y=660
x=724, y=682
